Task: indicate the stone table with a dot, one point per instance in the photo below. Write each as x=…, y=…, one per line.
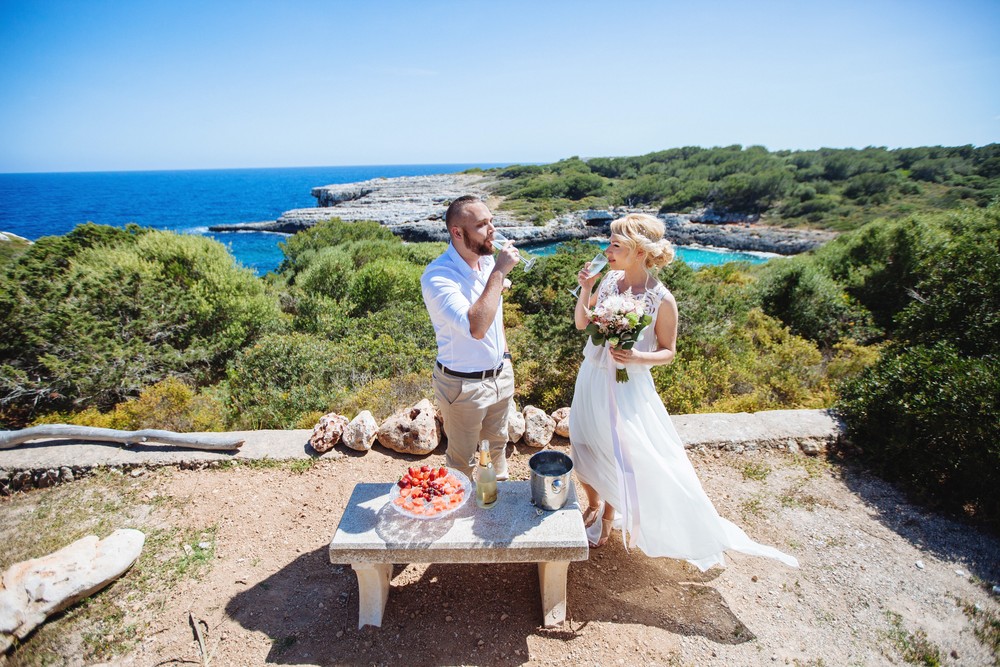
x=372, y=536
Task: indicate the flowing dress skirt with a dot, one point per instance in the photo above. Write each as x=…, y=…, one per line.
x=672, y=515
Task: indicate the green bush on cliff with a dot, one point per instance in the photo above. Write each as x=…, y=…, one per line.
x=812, y=303
x=832, y=188
x=97, y=315
x=730, y=356
x=276, y=380
x=382, y=282
x=928, y=417
x=928, y=413
x=301, y=248
x=170, y=404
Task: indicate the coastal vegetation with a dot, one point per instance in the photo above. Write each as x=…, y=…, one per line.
x=839, y=189
x=895, y=325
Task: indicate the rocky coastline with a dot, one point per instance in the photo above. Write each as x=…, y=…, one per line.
x=413, y=208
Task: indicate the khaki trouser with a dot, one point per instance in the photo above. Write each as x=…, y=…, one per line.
x=475, y=410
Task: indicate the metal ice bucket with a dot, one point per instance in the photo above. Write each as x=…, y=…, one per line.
x=550, y=479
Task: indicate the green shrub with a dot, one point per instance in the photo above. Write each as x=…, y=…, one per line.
x=272, y=383
x=812, y=303
x=928, y=412
x=10, y=249
x=756, y=364
x=302, y=247
x=382, y=282
x=98, y=315
x=170, y=404
x=388, y=343
x=328, y=273
x=958, y=295
x=173, y=405
x=879, y=262
x=385, y=396
x=929, y=418
x=322, y=316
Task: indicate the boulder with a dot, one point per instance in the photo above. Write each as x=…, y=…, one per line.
x=515, y=424
x=35, y=589
x=360, y=433
x=415, y=430
x=561, y=418
x=326, y=434
x=538, y=427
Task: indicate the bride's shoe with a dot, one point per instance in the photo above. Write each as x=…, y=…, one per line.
x=607, y=525
x=594, y=511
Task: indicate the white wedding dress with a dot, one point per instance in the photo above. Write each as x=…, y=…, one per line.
x=625, y=446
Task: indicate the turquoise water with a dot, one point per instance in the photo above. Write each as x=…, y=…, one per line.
x=696, y=257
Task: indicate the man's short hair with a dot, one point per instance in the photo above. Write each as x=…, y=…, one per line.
x=456, y=207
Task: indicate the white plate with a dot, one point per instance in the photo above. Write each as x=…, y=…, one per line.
x=460, y=476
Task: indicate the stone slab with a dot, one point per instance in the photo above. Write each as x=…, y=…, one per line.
x=783, y=429
x=811, y=431
x=512, y=531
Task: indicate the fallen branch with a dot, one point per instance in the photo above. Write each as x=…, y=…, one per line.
x=221, y=442
x=198, y=635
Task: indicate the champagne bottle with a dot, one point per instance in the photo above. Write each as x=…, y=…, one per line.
x=486, y=477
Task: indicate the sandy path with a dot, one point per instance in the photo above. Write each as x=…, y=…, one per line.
x=271, y=596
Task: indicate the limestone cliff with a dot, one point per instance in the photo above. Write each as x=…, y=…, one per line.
x=413, y=208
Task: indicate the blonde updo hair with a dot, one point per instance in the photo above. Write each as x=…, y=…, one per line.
x=645, y=232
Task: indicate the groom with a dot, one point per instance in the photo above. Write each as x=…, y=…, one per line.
x=473, y=376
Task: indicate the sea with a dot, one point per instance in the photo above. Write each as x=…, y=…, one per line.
x=190, y=201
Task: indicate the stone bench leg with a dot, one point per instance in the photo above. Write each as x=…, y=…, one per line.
x=552, y=582
x=373, y=591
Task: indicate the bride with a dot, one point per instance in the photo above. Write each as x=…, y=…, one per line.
x=626, y=452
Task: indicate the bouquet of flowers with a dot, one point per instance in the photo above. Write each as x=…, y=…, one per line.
x=617, y=321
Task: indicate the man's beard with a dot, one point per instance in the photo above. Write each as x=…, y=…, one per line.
x=483, y=249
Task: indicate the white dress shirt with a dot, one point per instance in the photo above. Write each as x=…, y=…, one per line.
x=450, y=286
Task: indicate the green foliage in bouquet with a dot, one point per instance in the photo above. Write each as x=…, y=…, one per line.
x=623, y=340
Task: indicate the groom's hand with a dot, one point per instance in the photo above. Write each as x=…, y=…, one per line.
x=507, y=259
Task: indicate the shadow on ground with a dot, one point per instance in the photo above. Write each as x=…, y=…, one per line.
x=474, y=614
x=944, y=537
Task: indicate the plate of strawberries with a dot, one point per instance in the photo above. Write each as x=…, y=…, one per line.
x=426, y=492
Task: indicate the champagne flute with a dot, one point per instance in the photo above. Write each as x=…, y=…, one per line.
x=593, y=268
x=500, y=242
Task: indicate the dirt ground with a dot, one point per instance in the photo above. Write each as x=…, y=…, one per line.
x=877, y=577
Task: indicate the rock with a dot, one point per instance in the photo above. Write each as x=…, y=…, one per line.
x=596, y=217
x=561, y=418
x=360, y=433
x=538, y=427
x=33, y=590
x=326, y=433
x=689, y=229
x=66, y=474
x=515, y=424
x=415, y=430
x=13, y=239
x=47, y=478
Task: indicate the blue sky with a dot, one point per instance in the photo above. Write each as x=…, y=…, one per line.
x=132, y=84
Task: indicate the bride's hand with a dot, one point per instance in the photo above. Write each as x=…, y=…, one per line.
x=626, y=356
x=586, y=280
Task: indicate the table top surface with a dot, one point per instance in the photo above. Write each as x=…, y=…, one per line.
x=513, y=530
